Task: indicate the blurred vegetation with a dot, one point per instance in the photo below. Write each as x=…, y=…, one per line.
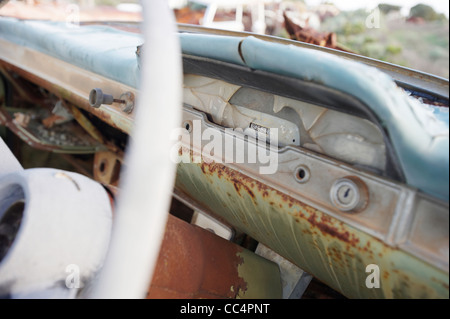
x=427, y=13
x=423, y=46
x=388, y=8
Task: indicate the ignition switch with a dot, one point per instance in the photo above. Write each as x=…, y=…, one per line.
x=349, y=194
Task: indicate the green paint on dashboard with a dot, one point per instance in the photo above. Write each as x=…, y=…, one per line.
x=261, y=276
x=332, y=251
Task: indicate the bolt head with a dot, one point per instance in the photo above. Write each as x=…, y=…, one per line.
x=96, y=98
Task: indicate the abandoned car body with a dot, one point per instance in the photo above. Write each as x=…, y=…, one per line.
x=344, y=164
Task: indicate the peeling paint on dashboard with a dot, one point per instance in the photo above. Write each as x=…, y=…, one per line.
x=334, y=252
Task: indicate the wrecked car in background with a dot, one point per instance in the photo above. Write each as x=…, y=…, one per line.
x=234, y=15
x=350, y=182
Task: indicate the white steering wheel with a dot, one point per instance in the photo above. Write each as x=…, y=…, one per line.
x=147, y=184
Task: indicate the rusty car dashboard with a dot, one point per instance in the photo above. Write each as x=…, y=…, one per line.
x=331, y=161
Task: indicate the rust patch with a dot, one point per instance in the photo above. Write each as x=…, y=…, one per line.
x=244, y=182
x=107, y=168
x=313, y=224
x=326, y=227
x=194, y=263
x=239, y=181
x=236, y=187
x=60, y=138
x=440, y=282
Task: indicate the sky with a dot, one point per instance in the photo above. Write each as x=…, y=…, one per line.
x=441, y=6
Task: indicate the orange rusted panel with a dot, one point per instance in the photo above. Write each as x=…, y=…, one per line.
x=195, y=263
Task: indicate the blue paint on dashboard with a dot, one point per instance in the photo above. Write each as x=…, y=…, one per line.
x=423, y=150
x=99, y=49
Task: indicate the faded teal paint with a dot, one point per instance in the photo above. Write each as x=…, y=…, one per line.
x=109, y=52
x=423, y=156
x=226, y=49
x=100, y=49
x=332, y=251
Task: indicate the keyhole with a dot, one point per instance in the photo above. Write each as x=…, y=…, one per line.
x=347, y=193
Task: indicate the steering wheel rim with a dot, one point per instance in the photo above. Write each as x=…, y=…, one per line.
x=147, y=183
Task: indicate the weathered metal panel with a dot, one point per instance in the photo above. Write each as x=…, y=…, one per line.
x=68, y=82
x=333, y=251
x=335, y=248
x=421, y=149
x=67, y=138
x=195, y=263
